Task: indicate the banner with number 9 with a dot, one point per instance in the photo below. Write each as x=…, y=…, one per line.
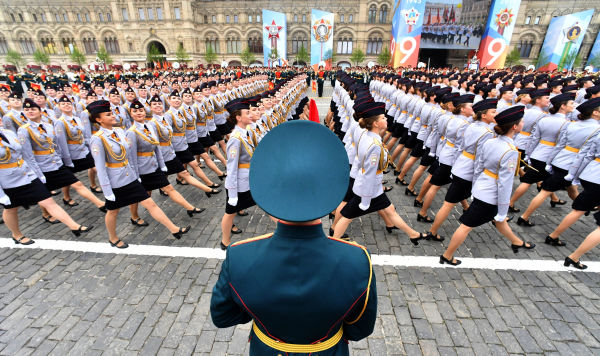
x=498, y=32
x=407, y=24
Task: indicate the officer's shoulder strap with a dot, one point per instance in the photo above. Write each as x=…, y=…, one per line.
x=253, y=239
x=26, y=125
x=98, y=133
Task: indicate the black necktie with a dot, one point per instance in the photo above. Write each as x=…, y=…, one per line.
x=145, y=127
x=4, y=137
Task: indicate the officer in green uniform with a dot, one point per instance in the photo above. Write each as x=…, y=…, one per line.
x=306, y=293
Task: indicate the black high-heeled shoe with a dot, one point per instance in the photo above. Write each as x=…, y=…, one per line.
x=516, y=248
x=417, y=204
x=194, y=211
x=412, y=193
x=180, y=182
x=214, y=185
x=453, y=261
x=223, y=246
x=70, y=203
x=344, y=236
x=221, y=177
x=433, y=237
x=512, y=209
x=137, y=222
x=401, y=181
x=163, y=193
x=425, y=219
x=554, y=241
x=213, y=191
x=236, y=232
x=331, y=216
x=576, y=264
x=523, y=222
x=553, y=204
x=387, y=189
x=47, y=219
x=415, y=240
x=79, y=231
x=116, y=244
x=181, y=231
x=96, y=189
x=19, y=241
x=396, y=173
x=389, y=229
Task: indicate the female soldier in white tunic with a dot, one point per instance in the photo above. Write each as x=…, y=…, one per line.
x=495, y=169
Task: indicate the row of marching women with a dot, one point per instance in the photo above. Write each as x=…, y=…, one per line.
x=129, y=143
x=476, y=134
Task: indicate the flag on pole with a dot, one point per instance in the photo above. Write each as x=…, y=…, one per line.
x=314, y=86
x=313, y=113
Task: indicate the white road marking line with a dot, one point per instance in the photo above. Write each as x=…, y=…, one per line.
x=380, y=260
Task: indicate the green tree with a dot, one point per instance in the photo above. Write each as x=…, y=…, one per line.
x=13, y=57
x=577, y=62
x=302, y=55
x=181, y=54
x=78, y=57
x=384, y=57
x=210, y=56
x=357, y=56
x=40, y=57
x=153, y=55
x=513, y=58
x=104, y=56
x=247, y=57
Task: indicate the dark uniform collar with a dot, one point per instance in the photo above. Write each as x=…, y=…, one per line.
x=287, y=230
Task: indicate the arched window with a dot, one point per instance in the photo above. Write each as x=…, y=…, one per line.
x=342, y=18
x=27, y=46
x=20, y=17
x=525, y=46
x=112, y=45
x=383, y=13
x=298, y=41
x=255, y=43
x=90, y=44
x=212, y=43
x=374, y=44
x=68, y=45
x=48, y=44
x=344, y=45
x=12, y=17
x=372, y=13
x=234, y=45
x=34, y=17
x=3, y=45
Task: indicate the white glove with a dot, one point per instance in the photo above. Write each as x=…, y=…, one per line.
x=140, y=180
x=549, y=168
x=499, y=218
x=110, y=197
x=576, y=182
x=431, y=154
x=232, y=201
x=43, y=179
x=70, y=165
x=4, y=200
x=164, y=169
x=364, y=207
x=569, y=177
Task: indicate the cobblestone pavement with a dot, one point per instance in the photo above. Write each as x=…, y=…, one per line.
x=74, y=303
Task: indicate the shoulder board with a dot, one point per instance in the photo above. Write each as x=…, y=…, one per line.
x=98, y=133
x=252, y=239
x=26, y=125
x=132, y=128
x=512, y=147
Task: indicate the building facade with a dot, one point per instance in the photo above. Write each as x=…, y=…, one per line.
x=127, y=29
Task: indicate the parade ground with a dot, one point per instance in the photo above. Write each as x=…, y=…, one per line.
x=67, y=295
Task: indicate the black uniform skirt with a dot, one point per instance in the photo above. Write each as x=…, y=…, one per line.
x=441, y=176
x=597, y=217
x=412, y=140
x=352, y=209
x=59, y=178
x=426, y=159
x=459, y=190
x=131, y=193
x=434, y=165
x=184, y=156
x=419, y=149
x=82, y=164
x=206, y=141
x=216, y=136
x=223, y=129
x=531, y=176
x=479, y=213
x=589, y=198
x=349, y=193
x=398, y=130
x=405, y=136
x=556, y=181
x=244, y=201
x=27, y=195
x=174, y=166
x=154, y=180
x=196, y=148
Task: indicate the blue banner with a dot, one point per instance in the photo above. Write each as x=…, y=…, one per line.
x=407, y=24
x=274, y=38
x=563, y=39
x=321, y=39
x=594, y=58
